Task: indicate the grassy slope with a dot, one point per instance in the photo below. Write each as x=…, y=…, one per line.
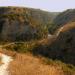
x=27, y=64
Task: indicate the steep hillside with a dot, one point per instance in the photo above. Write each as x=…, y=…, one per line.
x=63, y=18
x=18, y=23
x=63, y=48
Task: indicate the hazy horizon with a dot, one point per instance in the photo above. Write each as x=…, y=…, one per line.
x=47, y=5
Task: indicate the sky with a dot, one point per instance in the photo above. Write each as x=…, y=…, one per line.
x=48, y=5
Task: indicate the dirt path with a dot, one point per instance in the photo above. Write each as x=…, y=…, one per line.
x=5, y=60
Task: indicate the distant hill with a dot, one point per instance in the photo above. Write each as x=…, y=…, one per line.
x=19, y=23
x=63, y=18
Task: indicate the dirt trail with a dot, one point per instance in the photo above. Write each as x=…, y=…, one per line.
x=4, y=67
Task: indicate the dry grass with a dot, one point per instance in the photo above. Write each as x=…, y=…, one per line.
x=66, y=27
x=26, y=64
